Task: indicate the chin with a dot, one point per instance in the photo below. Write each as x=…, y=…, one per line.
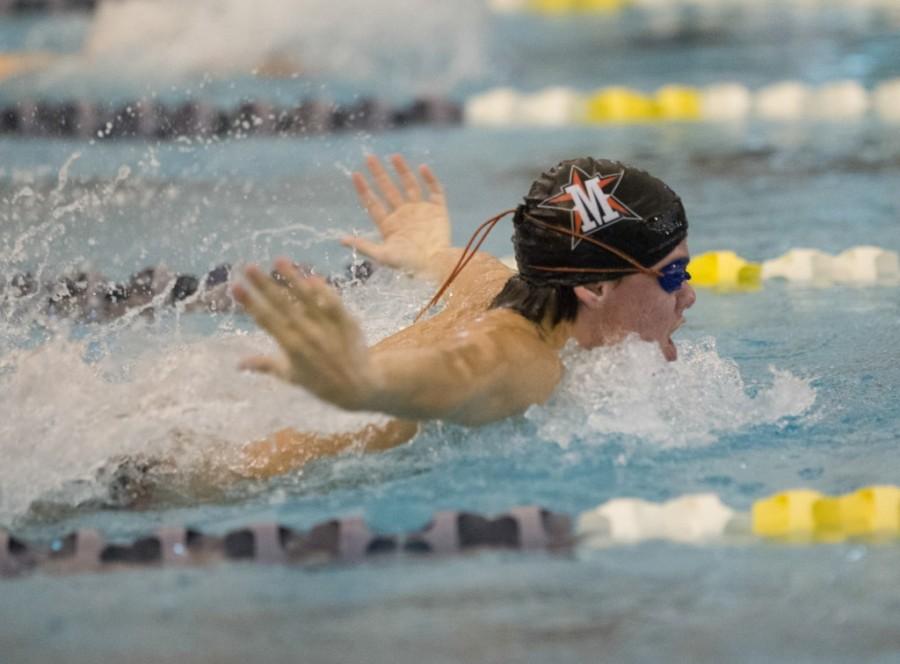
x=669, y=350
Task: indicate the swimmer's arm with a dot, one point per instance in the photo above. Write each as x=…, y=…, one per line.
x=493, y=367
x=289, y=449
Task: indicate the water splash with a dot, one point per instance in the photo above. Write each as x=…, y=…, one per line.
x=427, y=47
x=161, y=391
x=630, y=390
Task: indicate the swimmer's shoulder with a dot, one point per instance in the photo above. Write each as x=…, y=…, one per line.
x=503, y=337
x=479, y=283
x=518, y=337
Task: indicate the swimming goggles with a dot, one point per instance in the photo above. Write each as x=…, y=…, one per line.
x=672, y=276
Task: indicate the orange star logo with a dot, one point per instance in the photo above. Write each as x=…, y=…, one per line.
x=591, y=202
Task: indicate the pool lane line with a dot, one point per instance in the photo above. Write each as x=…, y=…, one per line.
x=549, y=8
x=788, y=101
x=558, y=106
x=693, y=10
x=90, y=297
x=337, y=541
x=28, y=7
x=138, y=119
x=724, y=271
x=870, y=515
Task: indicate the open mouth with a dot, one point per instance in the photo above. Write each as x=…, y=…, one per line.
x=671, y=350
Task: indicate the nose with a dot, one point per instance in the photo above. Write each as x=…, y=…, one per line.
x=686, y=297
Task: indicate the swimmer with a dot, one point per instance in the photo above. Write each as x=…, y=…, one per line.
x=601, y=252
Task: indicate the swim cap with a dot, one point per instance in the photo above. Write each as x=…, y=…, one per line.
x=607, y=201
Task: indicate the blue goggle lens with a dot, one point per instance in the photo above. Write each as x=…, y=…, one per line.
x=674, y=275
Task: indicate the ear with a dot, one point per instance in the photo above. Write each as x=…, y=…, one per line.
x=592, y=295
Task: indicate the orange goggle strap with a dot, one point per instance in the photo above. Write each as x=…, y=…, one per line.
x=468, y=254
x=475, y=242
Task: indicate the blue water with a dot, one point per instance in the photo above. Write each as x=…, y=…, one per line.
x=721, y=420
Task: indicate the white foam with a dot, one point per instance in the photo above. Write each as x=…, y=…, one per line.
x=630, y=390
x=438, y=45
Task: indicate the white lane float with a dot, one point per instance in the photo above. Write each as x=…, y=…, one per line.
x=839, y=101
x=886, y=101
x=693, y=518
x=551, y=107
x=863, y=265
x=787, y=100
x=494, y=108
x=726, y=102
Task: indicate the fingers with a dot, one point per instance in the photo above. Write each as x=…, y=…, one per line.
x=266, y=316
x=407, y=178
x=277, y=291
x=435, y=190
x=373, y=205
x=412, y=190
x=383, y=181
x=317, y=297
x=264, y=364
x=366, y=247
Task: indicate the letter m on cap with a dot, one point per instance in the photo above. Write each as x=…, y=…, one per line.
x=593, y=205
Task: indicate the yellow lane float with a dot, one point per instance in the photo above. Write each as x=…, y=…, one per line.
x=677, y=102
x=619, y=105
x=724, y=270
x=803, y=513
x=785, y=514
x=558, y=7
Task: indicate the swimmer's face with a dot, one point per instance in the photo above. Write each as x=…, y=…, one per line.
x=636, y=304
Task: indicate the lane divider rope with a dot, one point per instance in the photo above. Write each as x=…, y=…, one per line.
x=784, y=101
x=726, y=271
x=46, y=6
x=158, y=121
x=870, y=513
x=345, y=541
x=90, y=297
x=861, y=266
x=788, y=101
x=542, y=7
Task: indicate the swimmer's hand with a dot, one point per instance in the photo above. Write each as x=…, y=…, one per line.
x=323, y=346
x=413, y=228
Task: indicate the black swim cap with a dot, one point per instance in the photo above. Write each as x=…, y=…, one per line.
x=618, y=205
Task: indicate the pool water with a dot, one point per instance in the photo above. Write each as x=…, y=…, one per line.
x=786, y=386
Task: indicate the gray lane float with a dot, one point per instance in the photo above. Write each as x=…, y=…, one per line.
x=87, y=296
x=46, y=6
x=157, y=121
x=338, y=541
